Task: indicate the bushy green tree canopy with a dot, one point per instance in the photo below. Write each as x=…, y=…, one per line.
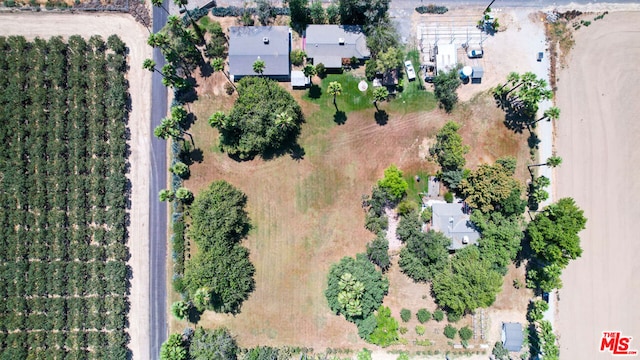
x=424, y=254
x=226, y=271
x=216, y=344
x=218, y=215
x=489, y=187
x=386, y=331
x=553, y=233
x=448, y=151
x=378, y=251
x=363, y=12
x=501, y=237
x=467, y=283
x=360, y=270
x=173, y=348
x=445, y=85
x=251, y=127
x=393, y=184
x=218, y=222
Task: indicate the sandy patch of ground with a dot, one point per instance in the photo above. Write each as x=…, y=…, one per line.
x=134, y=35
x=394, y=243
x=598, y=133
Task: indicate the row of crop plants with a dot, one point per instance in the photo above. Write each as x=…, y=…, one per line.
x=63, y=274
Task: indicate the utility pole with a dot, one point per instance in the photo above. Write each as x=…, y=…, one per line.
x=489, y=7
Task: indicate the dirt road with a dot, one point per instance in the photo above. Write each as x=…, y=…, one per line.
x=598, y=135
x=134, y=35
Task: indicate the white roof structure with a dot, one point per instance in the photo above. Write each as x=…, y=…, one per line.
x=298, y=79
x=447, y=57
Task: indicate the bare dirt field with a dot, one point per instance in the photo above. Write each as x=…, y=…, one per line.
x=134, y=35
x=597, y=137
x=307, y=214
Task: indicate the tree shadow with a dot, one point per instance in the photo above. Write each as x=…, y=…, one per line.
x=189, y=155
x=340, y=117
x=315, y=91
x=194, y=315
x=205, y=69
x=188, y=121
x=297, y=152
x=533, y=140
x=382, y=117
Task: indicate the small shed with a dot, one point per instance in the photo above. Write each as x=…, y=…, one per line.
x=512, y=336
x=298, y=80
x=447, y=57
x=476, y=75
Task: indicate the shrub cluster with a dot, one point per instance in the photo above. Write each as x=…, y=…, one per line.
x=431, y=9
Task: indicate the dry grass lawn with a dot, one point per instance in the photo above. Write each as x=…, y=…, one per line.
x=307, y=213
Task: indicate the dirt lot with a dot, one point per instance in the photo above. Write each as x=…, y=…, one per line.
x=134, y=35
x=307, y=213
x=597, y=138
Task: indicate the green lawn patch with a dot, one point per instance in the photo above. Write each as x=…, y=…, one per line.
x=415, y=187
x=413, y=97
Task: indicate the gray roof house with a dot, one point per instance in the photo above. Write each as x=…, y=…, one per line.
x=329, y=44
x=453, y=221
x=512, y=336
x=271, y=44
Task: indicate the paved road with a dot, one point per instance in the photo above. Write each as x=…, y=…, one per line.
x=157, y=210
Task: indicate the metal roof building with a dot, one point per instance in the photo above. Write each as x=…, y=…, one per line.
x=329, y=44
x=453, y=221
x=271, y=44
x=512, y=336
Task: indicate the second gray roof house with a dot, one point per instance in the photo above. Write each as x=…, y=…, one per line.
x=329, y=44
x=454, y=223
x=271, y=44
x=512, y=336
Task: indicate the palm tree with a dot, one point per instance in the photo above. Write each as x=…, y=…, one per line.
x=185, y=195
x=218, y=65
x=380, y=94
x=149, y=64
x=174, y=23
x=551, y=162
x=284, y=120
x=552, y=113
x=309, y=71
x=334, y=89
x=158, y=3
x=258, y=66
x=166, y=195
x=218, y=120
x=179, y=114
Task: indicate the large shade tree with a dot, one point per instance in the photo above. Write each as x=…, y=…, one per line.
x=553, y=234
x=252, y=127
x=467, y=283
x=360, y=284
x=489, y=187
x=219, y=222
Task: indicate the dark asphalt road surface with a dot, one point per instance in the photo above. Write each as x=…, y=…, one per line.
x=157, y=210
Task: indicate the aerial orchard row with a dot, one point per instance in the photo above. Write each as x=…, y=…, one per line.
x=63, y=272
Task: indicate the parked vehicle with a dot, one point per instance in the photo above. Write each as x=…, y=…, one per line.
x=540, y=56
x=475, y=53
x=429, y=72
x=411, y=72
